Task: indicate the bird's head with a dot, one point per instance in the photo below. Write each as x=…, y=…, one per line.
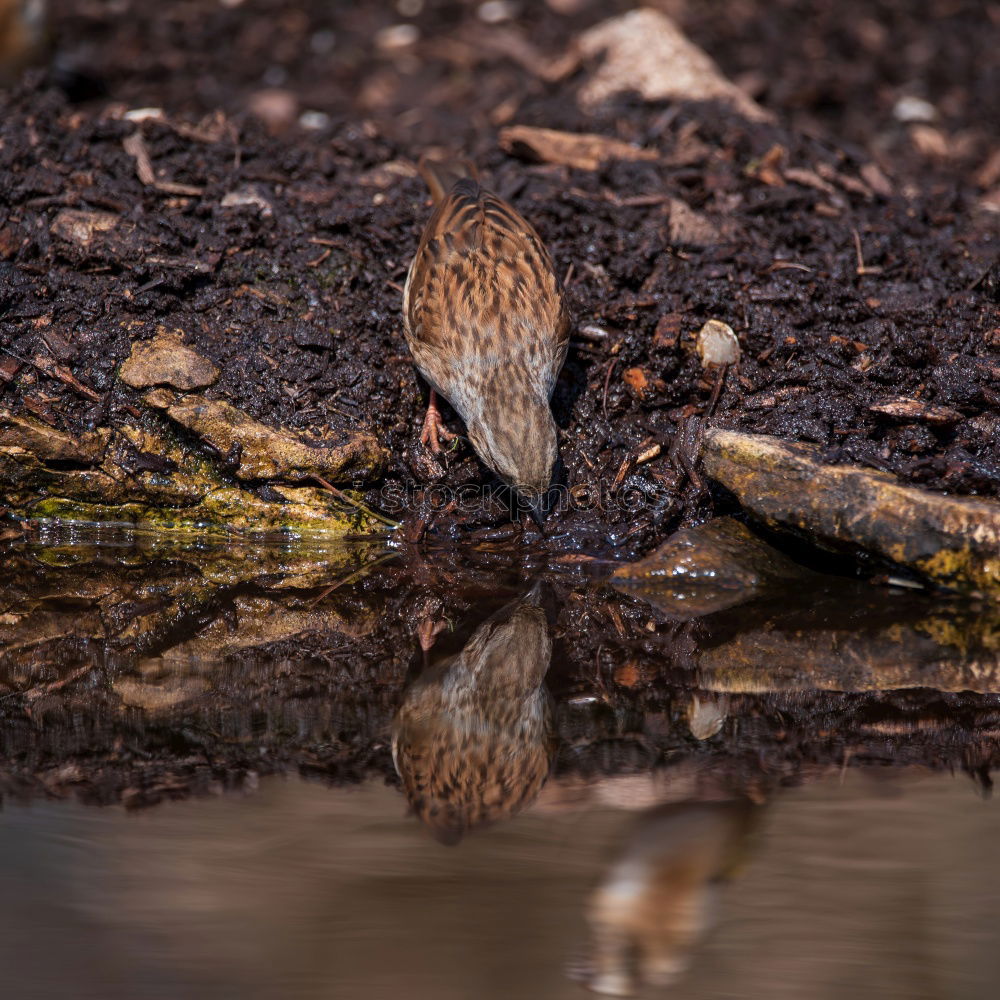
x=520, y=445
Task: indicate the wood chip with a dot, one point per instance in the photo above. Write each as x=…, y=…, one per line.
x=644, y=51
x=808, y=178
x=648, y=454
x=872, y=175
x=636, y=381
x=907, y=409
x=9, y=368
x=585, y=151
x=64, y=375
x=668, y=330
x=691, y=228
x=135, y=146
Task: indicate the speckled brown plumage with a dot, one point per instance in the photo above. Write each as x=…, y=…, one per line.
x=472, y=739
x=487, y=325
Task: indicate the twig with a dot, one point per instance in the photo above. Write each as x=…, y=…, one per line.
x=717, y=390
x=355, y=503
x=861, y=269
x=319, y=260
x=607, y=382
x=350, y=578
x=64, y=375
x=135, y=146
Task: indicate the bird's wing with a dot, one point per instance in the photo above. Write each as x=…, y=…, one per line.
x=482, y=275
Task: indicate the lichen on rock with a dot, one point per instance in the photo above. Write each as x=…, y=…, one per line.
x=950, y=541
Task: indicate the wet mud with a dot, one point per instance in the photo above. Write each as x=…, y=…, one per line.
x=856, y=265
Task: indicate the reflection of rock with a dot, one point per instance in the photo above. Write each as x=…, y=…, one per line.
x=812, y=632
x=98, y=610
x=472, y=739
x=656, y=901
x=706, y=716
x=777, y=657
x=708, y=568
x=644, y=51
x=953, y=541
x=166, y=360
x=154, y=697
x=302, y=511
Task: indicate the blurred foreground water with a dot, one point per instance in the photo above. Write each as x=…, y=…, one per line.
x=874, y=886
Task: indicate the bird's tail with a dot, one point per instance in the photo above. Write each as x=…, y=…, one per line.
x=440, y=177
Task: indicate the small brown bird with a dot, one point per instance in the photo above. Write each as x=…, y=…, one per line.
x=472, y=739
x=488, y=328
x=656, y=902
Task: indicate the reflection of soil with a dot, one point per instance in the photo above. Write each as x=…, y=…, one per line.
x=857, y=886
x=138, y=676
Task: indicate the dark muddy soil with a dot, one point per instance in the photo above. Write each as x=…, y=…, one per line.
x=849, y=287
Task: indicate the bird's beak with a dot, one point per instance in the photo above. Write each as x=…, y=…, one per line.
x=538, y=508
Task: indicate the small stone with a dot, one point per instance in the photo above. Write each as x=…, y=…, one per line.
x=322, y=42
x=80, y=227
x=276, y=107
x=314, y=121
x=497, y=11
x=706, y=718
x=396, y=37
x=717, y=344
x=167, y=360
x=910, y=109
x=249, y=197
x=386, y=174
x=144, y=115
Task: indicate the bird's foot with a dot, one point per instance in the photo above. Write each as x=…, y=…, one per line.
x=434, y=430
x=427, y=632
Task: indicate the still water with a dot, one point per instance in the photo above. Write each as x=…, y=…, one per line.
x=276, y=774
x=866, y=886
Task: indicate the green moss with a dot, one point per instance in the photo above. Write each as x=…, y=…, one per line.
x=226, y=511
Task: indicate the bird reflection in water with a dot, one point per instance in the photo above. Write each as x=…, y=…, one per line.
x=472, y=741
x=657, y=900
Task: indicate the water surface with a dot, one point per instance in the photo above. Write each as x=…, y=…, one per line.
x=352, y=772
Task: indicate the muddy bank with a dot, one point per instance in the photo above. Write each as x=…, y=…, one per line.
x=864, y=301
